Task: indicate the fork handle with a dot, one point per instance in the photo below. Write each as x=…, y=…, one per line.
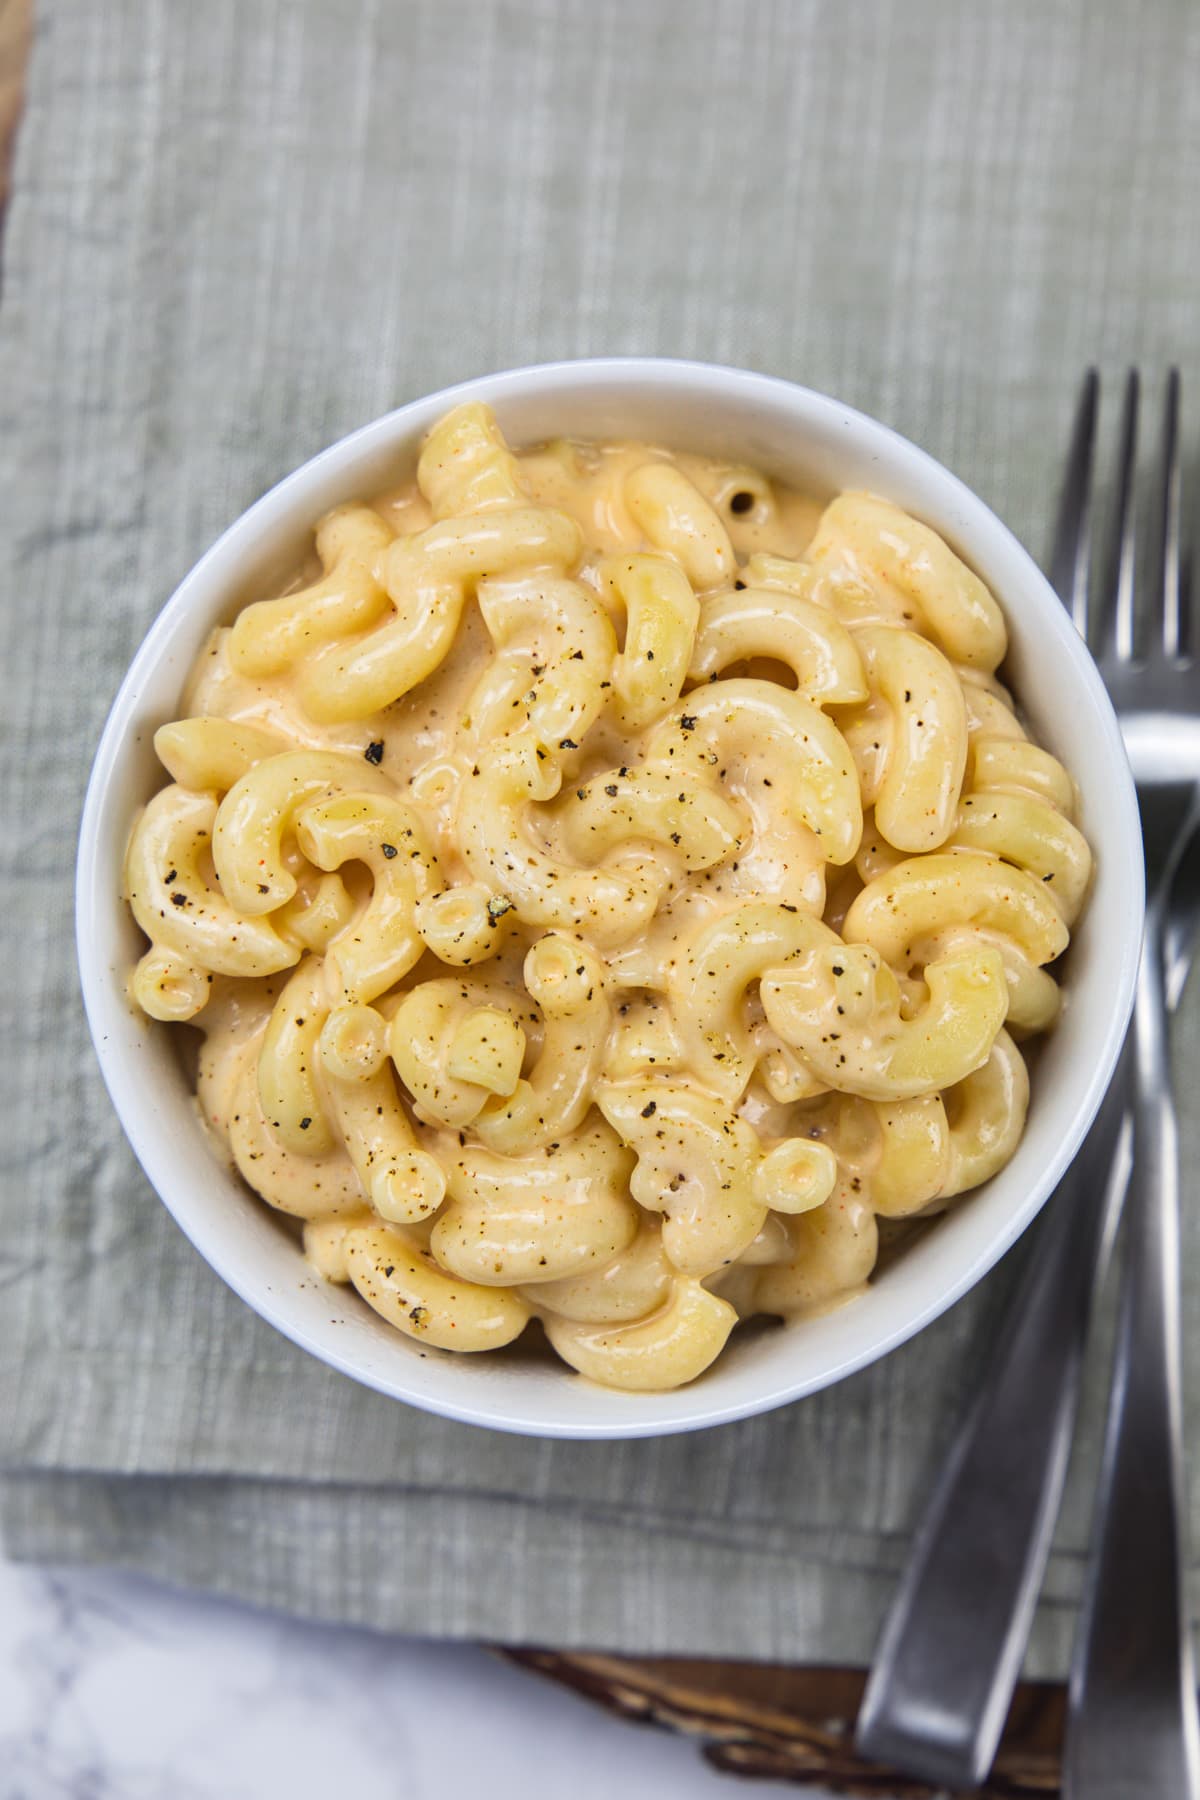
x=1131, y=1725
x=951, y=1650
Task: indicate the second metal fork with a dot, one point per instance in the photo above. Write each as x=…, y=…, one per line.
x=951, y=1650
x=1131, y=1725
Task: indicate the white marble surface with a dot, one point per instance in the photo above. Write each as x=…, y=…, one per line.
x=113, y=1688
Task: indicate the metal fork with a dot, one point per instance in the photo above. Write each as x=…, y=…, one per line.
x=1132, y=1725
x=951, y=1650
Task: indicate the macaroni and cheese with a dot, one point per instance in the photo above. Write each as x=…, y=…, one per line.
x=607, y=885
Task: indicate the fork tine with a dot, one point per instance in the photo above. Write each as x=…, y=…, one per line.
x=1070, y=559
x=1172, y=480
x=1117, y=619
x=1187, y=592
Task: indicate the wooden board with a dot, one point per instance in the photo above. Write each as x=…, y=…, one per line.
x=16, y=32
x=763, y=1719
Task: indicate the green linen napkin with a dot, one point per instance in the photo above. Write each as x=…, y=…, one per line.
x=238, y=231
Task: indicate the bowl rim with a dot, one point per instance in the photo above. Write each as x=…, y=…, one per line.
x=103, y=990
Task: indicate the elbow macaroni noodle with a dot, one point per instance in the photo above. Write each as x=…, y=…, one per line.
x=606, y=888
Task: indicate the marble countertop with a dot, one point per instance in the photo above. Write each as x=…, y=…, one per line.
x=114, y=1688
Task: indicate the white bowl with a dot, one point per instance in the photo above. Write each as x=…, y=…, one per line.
x=813, y=443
